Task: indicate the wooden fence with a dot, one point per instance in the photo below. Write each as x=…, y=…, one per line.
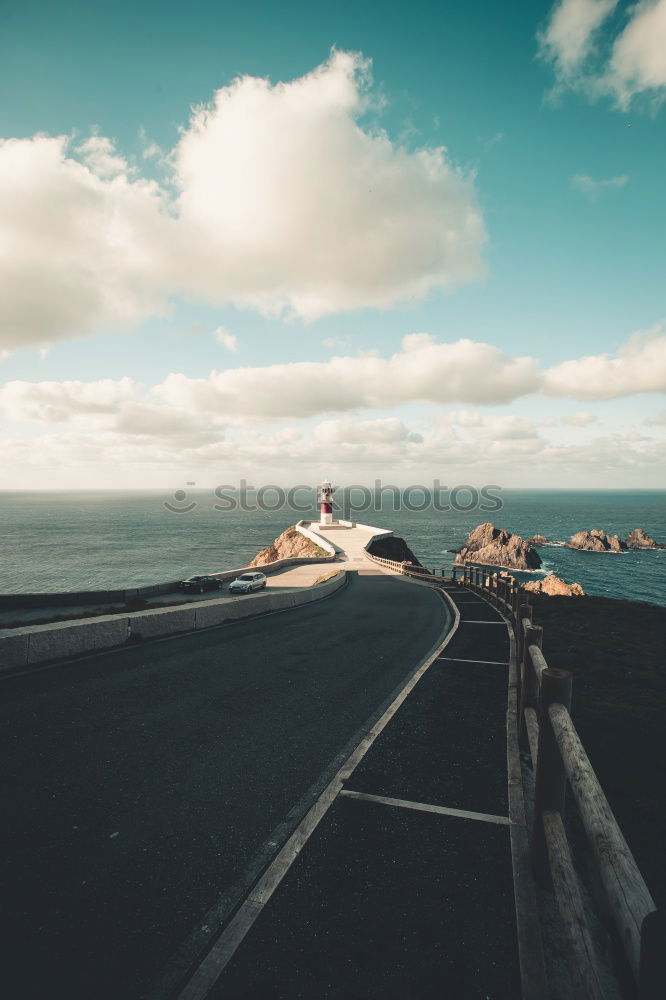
x=547, y=732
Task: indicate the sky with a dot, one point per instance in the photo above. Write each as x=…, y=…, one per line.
x=355, y=240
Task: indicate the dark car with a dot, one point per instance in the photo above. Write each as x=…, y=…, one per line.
x=197, y=584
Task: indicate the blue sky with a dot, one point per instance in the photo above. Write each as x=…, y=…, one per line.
x=550, y=190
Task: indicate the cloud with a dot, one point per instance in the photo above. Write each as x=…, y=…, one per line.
x=278, y=199
x=496, y=427
x=623, y=62
x=79, y=249
x=638, y=60
x=639, y=367
x=580, y=419
x=296, y=208
x=425, y=371
x=59, y=402
x=659, y=420
x=349, y=430
x=568, y=37
x=593, y=188
x=228, y=340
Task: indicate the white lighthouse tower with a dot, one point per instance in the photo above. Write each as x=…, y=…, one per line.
x=325, y=499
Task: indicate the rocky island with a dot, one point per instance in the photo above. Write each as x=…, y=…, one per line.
x=554, y=586
x=596, y=541
x=638, y=539
x=493, y=546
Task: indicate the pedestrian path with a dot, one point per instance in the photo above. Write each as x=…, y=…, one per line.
x=404, y=889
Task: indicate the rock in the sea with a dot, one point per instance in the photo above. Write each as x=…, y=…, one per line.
x=638, y=539
x=493, y=546
x=291, y=544
x=393, y=547
x=537, y=540
x=554, y=586
x=596, y=541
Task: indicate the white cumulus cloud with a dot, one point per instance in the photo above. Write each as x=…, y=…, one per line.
x=624, y=60
x=82, y=244
x=640, y=366
x=281, y=198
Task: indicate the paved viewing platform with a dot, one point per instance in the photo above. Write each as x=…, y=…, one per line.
x=305, y=804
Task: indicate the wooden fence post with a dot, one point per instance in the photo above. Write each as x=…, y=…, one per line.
x=529, y=682
x=551, y=779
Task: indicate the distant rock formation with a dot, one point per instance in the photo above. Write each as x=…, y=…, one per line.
x=537, y=540
x=392, y=547
x=554, y=586
x=493, y=546
x=291, y=544
x=596, y=541
x=638, y=539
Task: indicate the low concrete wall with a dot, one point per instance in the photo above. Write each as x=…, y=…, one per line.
x=102, y=597
x=23, y=647
x=152, y=624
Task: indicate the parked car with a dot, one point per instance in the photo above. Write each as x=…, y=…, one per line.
x=197, y=584
x=247, y=582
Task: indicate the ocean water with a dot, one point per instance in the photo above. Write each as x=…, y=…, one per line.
x=97, y=540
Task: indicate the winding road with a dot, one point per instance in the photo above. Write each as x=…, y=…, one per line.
x=144, y=788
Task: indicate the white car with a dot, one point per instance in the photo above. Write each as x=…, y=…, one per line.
x=247, y=582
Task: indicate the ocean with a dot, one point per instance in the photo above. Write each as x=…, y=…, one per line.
x=59, y=541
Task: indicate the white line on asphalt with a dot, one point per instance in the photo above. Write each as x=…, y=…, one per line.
x=383, y=800
x=214, y=963
x=471, y=621
x=459, y=659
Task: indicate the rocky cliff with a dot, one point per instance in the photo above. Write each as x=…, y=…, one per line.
x=596, y=541
x=537, y=540
x=289, y=545
x=554, y=586
x=495, y=547
x=392, y=547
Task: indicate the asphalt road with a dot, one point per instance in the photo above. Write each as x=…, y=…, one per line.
x=142, y=785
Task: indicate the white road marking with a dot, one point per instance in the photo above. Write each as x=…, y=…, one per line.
x=459, y=659
x=383, y=800
x=215, y=961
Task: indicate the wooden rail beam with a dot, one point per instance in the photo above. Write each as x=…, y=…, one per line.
x=628, y=896
x=583, y=966
x=550, y=780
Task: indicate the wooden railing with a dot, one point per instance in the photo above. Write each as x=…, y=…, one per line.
x=559, y=760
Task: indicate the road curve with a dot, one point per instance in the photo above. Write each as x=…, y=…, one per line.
x=141, y=784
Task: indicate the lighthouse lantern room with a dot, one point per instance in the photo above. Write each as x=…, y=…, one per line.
x=325, y=499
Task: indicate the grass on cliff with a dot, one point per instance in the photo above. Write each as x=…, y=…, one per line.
x=615, y=650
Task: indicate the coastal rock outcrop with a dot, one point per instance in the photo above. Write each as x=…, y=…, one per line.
x=392, y=547
x=639, y=539
x=493, y=546
x=554, y=586
x=596, y=541
x=291, y=544
x=537, y=540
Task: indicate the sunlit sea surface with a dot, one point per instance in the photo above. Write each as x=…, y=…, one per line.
x=100, y=540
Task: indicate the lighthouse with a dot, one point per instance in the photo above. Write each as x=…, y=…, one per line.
x=325, y=498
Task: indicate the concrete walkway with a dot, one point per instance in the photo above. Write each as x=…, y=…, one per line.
x=404, y=889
